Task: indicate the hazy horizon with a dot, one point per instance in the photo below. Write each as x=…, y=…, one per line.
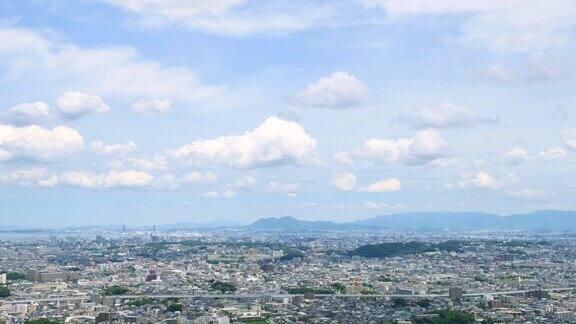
x=159, y=112
x=230, y=222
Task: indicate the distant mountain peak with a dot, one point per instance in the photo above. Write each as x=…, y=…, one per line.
x=547, y=220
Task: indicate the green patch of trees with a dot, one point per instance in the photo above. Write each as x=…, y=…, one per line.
x=115, y=290
x=222, y=286
x=393, y=249
x=174, y=308
x=338, y=287
x=399, y=302
x=15, y=276
x=42, y=321
x=424, y=302
x=447, y=316
x=4, y=292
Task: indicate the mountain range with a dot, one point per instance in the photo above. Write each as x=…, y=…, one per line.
x=545, y=220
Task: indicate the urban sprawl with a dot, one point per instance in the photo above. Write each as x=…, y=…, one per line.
x=235, y=276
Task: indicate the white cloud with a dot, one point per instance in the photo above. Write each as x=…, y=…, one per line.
x=537, y=68
x=510, y=185
x=387, y=185
x=337, y=91
x=445, y=115
x=24, y=177
x=35, y=142
x=156, y=162
x=197, y=177
x=289, y=189
x=343, y=158
x=519, y=155
x=230, y=17
x=570, y=138
x=166, y=181
x=481, y=180
x=27, y=113
x=152, y=107
x=246, y=182
x=223, y=194
x=21, y=40
x=116, y=148
x=212, y=194
x=110, y=71
x=344, y=181
x=553, y=153
x=527, y=194
x=381, y=205
x=425, y=146
x=127, y=179
x=74, y=104
x=274, y=142
x=515, y=26
x=444, y=162
x=84, y=179
x=516, y=155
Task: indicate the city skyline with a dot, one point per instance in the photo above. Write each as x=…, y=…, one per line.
x=159, y=112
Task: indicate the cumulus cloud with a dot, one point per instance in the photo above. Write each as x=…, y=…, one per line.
x=519, y=155
x=343, y=158
x=289, y=189
x=275, y=142
x=553, y=153
x=446, y=115
x=340, y=90
x=152, y=107
x=156, y=162
x=35, y=142
x=570, y=138
x=73, y=105
x=197, y=177
x=109, y=72
x=387, y=185
x=24, y=177
x=112, y=179
x=425, y=146
x=116, y=148
x=516, y=26
x=246, y=182
x=516, y=155
x=223, y=194
x=27, y=113
x=444, y=162
x=481, y=180
x=235, y=18
x=344, y=181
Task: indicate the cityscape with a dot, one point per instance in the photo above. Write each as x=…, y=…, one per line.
x=287, y=161
x=249, y=274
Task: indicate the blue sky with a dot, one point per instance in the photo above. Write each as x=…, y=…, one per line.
x=151, y=112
